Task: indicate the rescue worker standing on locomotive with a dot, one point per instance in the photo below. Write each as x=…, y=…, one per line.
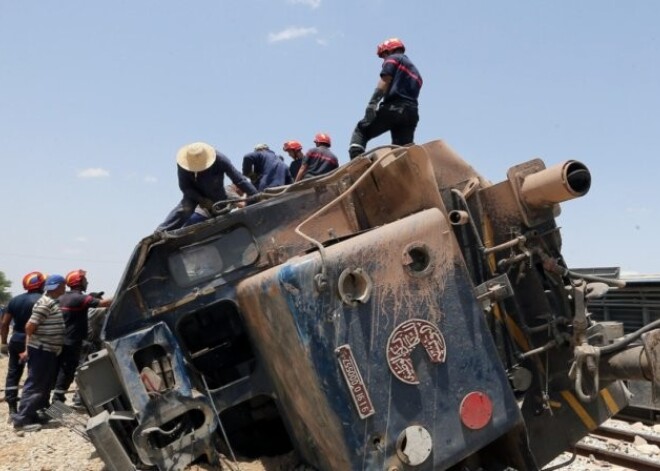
x=396, y=92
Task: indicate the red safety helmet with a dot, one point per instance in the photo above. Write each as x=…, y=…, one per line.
x=390, y=45
x=34, y=280
x=322, y=138
x=76, y=278
x=292, y=145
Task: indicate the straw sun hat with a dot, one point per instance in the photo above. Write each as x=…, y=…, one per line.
x=196, y=157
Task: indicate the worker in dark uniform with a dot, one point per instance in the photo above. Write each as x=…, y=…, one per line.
x=75, y=305
x=44, y=336
x=398, y=88
x=17, y=313
x=318, y=160
x=265, y=168
x=201, y=172
x=294, y=149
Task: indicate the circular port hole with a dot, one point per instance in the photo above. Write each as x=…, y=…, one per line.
x=354, y=286
x=414, y=445
x=417, y=259
x=578, y=178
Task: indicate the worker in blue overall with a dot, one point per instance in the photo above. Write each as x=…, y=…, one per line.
x=265, y=168
x=318, y=160
x=17, y=313
x=75, y=305
x=201, y=172
x=294, y=149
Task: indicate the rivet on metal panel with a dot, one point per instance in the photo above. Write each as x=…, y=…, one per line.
x=321, y=282
x=377, y=442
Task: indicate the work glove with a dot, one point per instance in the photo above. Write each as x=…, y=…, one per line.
x=372, y=108
x=97, y=295
x=369, y=115
x=4, y=349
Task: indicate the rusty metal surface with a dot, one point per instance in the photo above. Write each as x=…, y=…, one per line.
x=351, y=314
x=651, y=341
x=300, y=389
x=307, y=330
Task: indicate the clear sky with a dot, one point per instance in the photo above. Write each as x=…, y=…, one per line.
x=96, y=97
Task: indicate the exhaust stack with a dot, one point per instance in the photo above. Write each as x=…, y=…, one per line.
x=562, y=182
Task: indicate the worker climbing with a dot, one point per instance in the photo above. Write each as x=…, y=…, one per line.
x=393, y=105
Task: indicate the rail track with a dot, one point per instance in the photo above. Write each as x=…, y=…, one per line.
x=615, y=445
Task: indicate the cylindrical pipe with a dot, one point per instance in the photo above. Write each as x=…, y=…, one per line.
x=630, y=364
x=506, y=245
x=562, y=182
x=458, y=217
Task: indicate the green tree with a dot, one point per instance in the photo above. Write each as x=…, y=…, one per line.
x=5, y=284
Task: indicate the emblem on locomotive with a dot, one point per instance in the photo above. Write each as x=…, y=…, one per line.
x=405, y=338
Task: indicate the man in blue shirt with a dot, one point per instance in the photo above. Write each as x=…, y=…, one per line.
x=265, y=168
x=398, y=88
x=294, y=149
x=75, y=306
x=18, y=312
x=318, y=160
x=201, y=172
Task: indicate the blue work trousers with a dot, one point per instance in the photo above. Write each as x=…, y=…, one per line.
x=68, y=362
x=42, y=368
x=15, y=370
x=178, y=217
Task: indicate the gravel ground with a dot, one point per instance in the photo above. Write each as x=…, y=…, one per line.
x=57, y=448
x=52, y=448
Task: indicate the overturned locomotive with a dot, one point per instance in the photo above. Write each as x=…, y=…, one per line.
x=400, y=313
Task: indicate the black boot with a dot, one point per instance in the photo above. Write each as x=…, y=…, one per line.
x=13, y=408
x=58, y=398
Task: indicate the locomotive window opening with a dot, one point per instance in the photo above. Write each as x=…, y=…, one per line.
x=202, y=261
x=255, y=428
x=155, y=368
x=217, y=343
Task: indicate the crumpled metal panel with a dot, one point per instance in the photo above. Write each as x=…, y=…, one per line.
x=154, y=410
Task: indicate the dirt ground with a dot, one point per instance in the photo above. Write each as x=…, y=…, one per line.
x=57, y=448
